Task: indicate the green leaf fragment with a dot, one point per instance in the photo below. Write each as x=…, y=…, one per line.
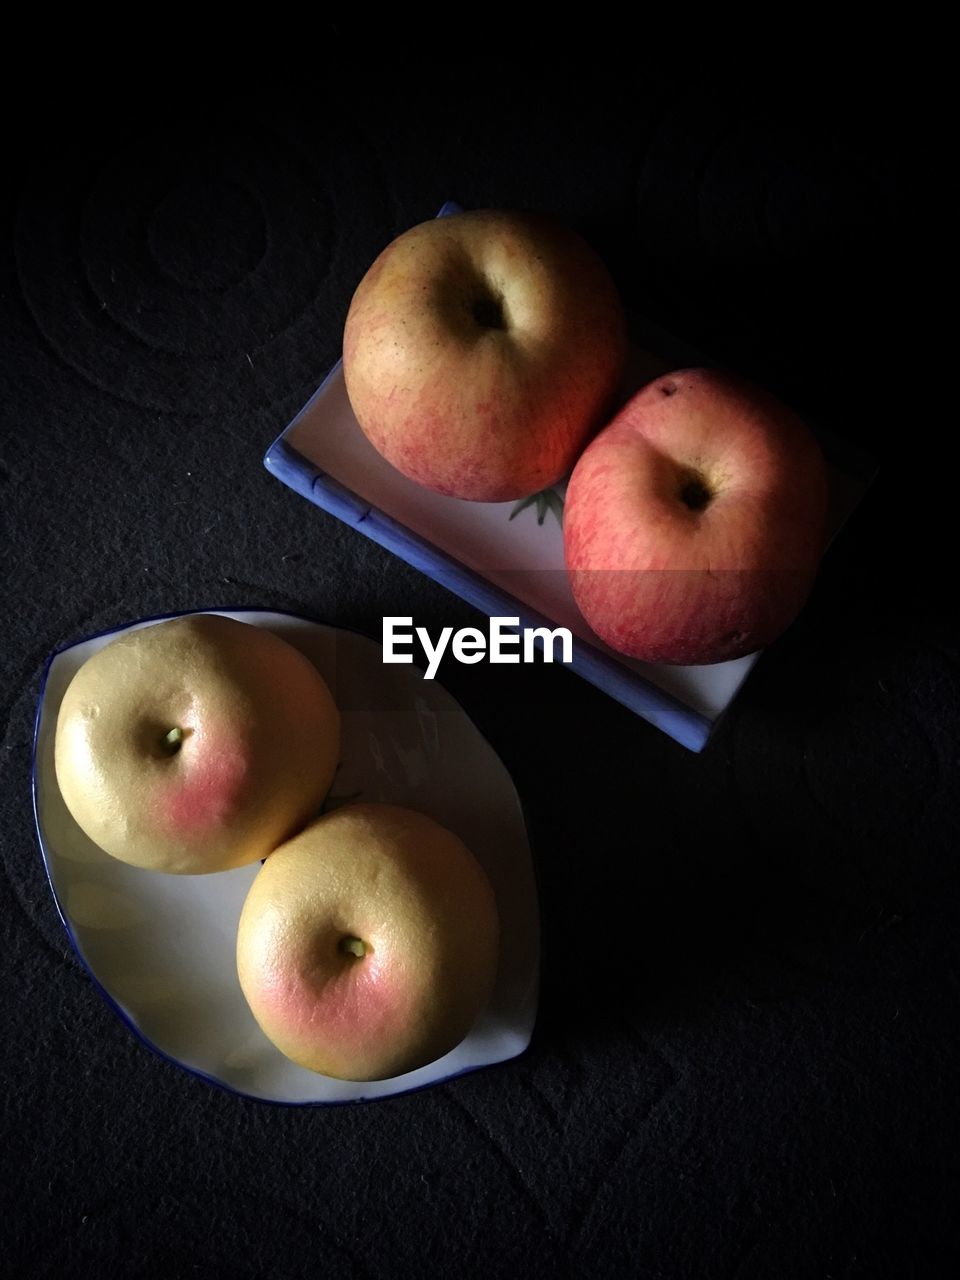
x=523, y=504
x=544, y=501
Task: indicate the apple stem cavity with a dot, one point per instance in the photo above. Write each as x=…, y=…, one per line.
x=694, y=494
x=351, y=946
x=487, y=311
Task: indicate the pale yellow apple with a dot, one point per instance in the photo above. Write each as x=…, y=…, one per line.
x=482, y=350
x=368, y=944
x=195, y=744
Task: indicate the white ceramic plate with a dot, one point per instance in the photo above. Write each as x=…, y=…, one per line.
x=507, y=563
x=504, y=566
x=161, y=948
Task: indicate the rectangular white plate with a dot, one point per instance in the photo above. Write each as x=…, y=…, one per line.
x=506, y=568
x=515, y=568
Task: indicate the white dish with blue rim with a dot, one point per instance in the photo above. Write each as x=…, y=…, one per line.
x=162, y=948
x=509, y=563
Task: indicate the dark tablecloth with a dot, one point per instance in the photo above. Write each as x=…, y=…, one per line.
x=745, y=1063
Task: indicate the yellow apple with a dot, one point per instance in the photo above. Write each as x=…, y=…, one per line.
x=368, y=944
x=482, y=350
x=195, y=744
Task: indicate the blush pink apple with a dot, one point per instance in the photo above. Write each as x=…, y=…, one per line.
x=368, y=943
x=694, y=522
x=482, y=350
x=195, y=744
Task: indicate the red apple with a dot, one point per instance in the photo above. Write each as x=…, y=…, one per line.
x=482, y=350
x=368, y=944
x=195, y=744
x=694, y=522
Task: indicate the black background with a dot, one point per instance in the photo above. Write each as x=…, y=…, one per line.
x=746, y=1059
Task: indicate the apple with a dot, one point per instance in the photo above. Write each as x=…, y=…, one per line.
x=694, y=522
x=368, y=943
x=195, y=744
x=481, y=351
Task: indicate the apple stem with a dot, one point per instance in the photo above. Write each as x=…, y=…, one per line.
x=353, y=946
x=173, y=739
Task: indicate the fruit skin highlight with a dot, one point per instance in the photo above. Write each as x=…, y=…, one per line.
x=694, y=522
x=482, y=350
x=196, y=744
x=368, y=943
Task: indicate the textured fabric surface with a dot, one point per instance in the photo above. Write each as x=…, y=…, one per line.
x=746, y=1059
